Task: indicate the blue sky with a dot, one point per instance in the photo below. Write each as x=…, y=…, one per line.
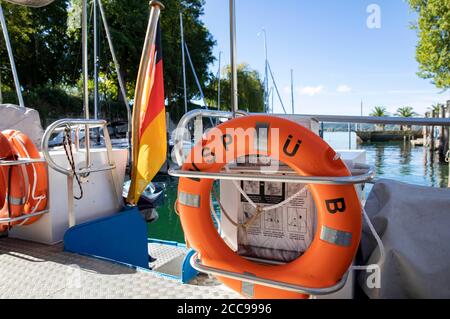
x=337, y=59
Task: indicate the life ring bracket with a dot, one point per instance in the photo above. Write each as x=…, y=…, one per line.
x=197, y=265
x=367, y=177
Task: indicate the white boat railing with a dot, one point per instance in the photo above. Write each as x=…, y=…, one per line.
x=365, y=173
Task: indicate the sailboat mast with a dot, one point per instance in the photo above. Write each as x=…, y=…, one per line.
x=96, y=59
x=11, y=58
x=218, y=81
x=84, y=40
x=292, y=91
x=234, y=84
x=183, y=59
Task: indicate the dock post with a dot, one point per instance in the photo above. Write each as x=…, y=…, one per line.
x=442, y=139
x=447, y=148
x=425, y=133
x=433, y=115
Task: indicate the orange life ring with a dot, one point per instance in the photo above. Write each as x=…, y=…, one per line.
x=339, y=218
x=37, y=174
x=12, y=183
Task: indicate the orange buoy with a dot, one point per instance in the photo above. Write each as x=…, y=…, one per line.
x=12, y=185
x=37, y=174
x=339, y=218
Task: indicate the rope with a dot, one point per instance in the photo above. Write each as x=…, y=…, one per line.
x=259, y=209
x=267, y=208
x=67, y=144
x=377, y=239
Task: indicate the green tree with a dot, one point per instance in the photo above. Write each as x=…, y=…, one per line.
x=433, y=49
x=43, y=50
x=406, y=111
x=379, y=111
x=128, y=20
x=250, y=89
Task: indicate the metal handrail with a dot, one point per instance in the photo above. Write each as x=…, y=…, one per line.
x=197, y=265
x=23, y=217
x=22, y=161
x=183, y=124
x=366, y=177
x=73, y=123
x=87, y=124
x=418, y=121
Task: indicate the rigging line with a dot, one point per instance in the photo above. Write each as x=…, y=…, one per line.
x=276, y=87
x=202, y=96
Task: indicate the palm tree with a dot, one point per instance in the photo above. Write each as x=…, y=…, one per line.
x=436, y=108
x=406, y=111
x=379, y=111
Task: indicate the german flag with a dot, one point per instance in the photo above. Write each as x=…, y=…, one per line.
x=149, y=139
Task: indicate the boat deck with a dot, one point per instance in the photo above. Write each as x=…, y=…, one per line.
x=31, y=270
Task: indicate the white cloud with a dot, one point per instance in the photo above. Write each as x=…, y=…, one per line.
x=310, y=90
x=344, y=88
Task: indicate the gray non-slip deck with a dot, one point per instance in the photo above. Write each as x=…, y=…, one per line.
x=31, y=270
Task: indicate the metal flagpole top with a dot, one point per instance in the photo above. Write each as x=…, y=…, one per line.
x=154, y=3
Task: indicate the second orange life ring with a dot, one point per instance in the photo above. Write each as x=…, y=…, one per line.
x=12, y=185
x=37, y=174
x=339, y=219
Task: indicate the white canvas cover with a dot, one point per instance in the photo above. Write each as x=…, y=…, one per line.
x=22, y=119
x=414, y=224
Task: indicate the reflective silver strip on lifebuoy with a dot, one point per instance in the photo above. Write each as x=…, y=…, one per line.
x=16, y=201
x=336, y=237
x=248, y=288
x=190, y=200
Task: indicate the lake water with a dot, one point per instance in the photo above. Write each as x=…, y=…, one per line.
x=398, y=161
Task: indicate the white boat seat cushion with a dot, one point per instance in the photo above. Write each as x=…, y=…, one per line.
x=22, y=119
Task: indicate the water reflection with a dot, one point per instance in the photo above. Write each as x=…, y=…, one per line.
x=403, y=162
x=399, y=160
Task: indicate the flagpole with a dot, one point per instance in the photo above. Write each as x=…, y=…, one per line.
x=150, y=38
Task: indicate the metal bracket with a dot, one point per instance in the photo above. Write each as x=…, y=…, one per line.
x=252, y=279
x=366, y=177
x=22, y=161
